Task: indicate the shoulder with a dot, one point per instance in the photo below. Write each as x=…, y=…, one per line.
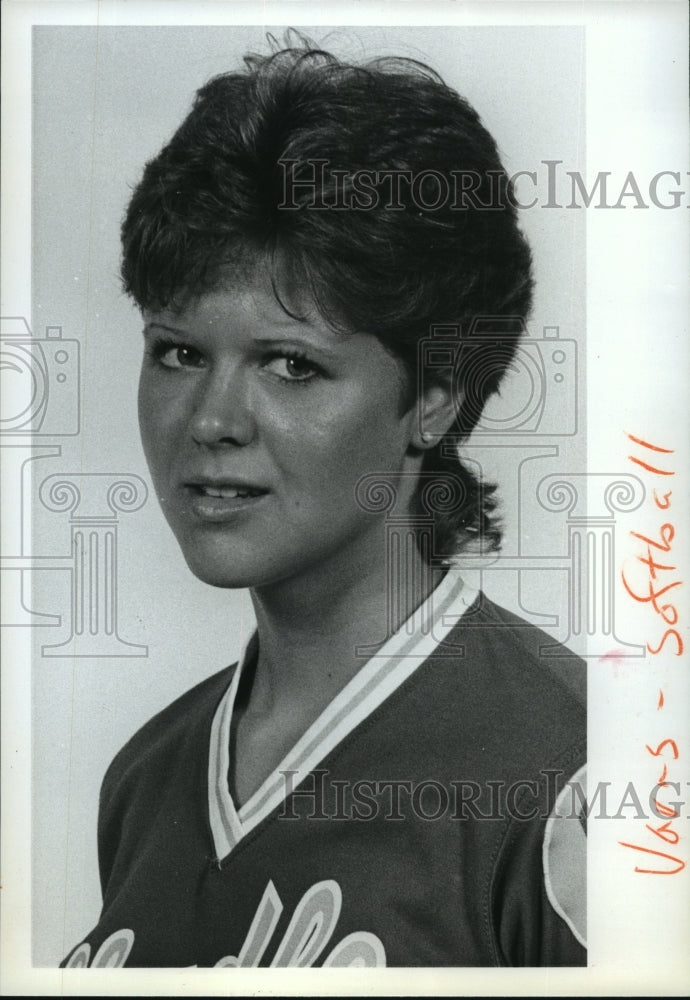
x=166, y=733
x=508, y=702
x=511, y=658
x=165, y=757
x=532, y=648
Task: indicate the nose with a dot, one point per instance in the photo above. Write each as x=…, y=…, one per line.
x=222, y=412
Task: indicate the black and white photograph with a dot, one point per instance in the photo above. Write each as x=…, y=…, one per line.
x=344, y=432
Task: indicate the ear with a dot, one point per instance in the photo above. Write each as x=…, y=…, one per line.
x=437, y=410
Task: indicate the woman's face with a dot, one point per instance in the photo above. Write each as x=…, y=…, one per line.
x=257, y=428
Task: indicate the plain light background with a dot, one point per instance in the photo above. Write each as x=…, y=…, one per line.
x=104, y=101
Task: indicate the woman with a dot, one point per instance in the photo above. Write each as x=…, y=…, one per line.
x=372, y=784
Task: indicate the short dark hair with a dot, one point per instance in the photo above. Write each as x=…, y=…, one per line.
x=298, y=130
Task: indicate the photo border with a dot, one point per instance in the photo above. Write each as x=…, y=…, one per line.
x=638, y=927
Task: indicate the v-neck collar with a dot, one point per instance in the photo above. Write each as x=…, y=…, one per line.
x=378, y=678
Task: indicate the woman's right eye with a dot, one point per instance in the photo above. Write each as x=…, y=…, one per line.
x=178, y=356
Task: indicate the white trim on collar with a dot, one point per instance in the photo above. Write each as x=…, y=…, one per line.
x=380, y=676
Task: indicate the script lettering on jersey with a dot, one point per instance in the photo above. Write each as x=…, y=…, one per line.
x=661, y=577
x=308, y=933
x=310, y=930
x=112, y=954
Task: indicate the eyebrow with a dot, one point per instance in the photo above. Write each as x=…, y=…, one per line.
x=164, y=326
x=277, y=342
x=268, y=342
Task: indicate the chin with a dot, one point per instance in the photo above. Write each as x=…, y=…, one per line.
x=217, y=574
x=232, y=567
x=217, y=560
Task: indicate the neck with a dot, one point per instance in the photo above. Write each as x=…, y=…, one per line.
x=309, y=630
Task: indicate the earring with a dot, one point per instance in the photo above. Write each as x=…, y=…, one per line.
x=426, y=437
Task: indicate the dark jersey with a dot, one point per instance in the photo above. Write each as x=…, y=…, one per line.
x=416, y=823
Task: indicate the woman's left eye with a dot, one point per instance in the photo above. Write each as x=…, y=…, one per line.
x=292, y=368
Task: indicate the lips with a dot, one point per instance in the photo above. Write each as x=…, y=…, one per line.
x=219, y=501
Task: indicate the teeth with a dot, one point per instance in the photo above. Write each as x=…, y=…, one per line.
x=226, y=492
